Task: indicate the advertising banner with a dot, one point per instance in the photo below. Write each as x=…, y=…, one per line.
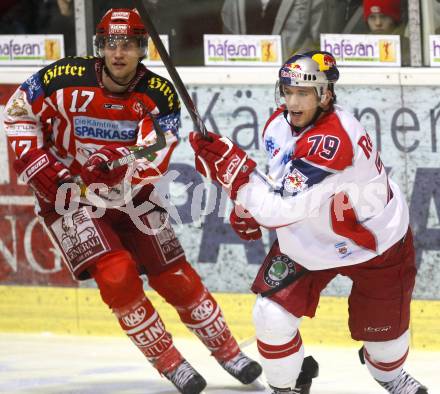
x=242, y=50
x=30, y=49
x=403, y=123
x=363, y=49
x=434, y=50
x=153, y=57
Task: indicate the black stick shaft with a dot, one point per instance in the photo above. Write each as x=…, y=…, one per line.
x=175, y=77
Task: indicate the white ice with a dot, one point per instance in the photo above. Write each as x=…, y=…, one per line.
x=53, y=364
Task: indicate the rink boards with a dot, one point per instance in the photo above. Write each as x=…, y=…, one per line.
x=80, y=311
x=396, y=107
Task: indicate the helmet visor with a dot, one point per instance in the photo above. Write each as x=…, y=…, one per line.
x=298, y=98
x=131, y=46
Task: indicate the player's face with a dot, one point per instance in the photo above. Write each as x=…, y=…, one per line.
x=122, y=57
x=380, y=23
x=301, y=102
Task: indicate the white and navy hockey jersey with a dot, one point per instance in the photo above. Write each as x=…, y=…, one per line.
x=326, y=193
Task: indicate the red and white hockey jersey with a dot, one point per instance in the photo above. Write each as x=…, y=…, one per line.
x=326, y=193
x=65, y=109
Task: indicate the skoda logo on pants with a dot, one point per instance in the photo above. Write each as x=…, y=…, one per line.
x=280, y=267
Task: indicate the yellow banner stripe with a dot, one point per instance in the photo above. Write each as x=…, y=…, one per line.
x=81, y=312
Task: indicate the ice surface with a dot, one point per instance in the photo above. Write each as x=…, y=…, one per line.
x=53, y=364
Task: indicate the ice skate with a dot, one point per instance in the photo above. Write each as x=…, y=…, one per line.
x=309, y=370
x=404, y=384
x=242, y=368
x=186, y=379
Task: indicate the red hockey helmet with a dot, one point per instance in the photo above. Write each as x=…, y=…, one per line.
x=121, y=23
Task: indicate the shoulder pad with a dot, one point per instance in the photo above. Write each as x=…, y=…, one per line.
x=326, y=145
x=161, y=91
x=69, y=71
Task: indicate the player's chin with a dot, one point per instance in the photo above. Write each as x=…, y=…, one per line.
x=297, y=120
x=119, y=69
x=121, y=74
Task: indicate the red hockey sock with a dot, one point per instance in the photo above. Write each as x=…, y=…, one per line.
x=182, y=287
x=145, y=328
x=205, y=319
x=121, y=289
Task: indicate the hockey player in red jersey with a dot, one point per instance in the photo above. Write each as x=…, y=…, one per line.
x=64, y=123
x=335, y=211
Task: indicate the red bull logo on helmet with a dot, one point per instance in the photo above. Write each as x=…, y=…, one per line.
x=329, y=61
x=291, y=70
x=324, y=60
x=294, y=66
x=290, y=74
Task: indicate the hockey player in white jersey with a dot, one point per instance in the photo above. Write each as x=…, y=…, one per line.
x=336, y=212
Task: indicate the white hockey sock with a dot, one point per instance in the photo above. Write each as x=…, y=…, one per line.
x=279, y=343
x=282, y=372
x=384, y=360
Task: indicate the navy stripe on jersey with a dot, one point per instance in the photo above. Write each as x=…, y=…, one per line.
x=33, y=88
x=170, y=122
x=301, y=176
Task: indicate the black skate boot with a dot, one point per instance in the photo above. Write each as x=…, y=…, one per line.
x=309, y=370
x=403, y=384
x=242, y=368
x=186, y=379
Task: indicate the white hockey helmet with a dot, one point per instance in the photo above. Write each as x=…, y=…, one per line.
x=311, y=69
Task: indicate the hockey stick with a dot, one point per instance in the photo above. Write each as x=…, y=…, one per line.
x=175, y=77
x=139, y=152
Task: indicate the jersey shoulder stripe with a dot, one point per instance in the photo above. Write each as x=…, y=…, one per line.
x=161, y=91
x=327, y=145
x=301, y=176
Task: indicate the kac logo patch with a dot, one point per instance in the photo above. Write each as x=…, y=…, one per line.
x=280, y=268
x=203, y=311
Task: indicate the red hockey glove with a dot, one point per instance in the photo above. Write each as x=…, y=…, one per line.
x=93, y=170
x=222, y=161
x=43, y=173
x=244, y=224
